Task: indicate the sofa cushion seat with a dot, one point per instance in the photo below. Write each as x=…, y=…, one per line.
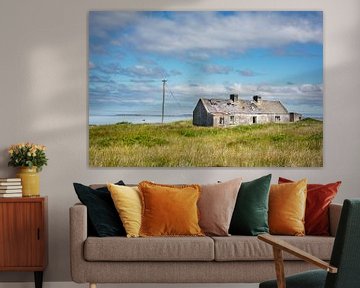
x=249, y=248
x=149, y=249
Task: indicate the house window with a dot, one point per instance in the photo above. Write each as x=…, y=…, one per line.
x=232, y=119
x=254, y=120
x=221, y=121
x=277, y=118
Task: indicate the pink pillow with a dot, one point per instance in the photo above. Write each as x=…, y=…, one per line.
x=216, y=205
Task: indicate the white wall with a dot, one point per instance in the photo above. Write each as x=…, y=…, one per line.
x=43, y=90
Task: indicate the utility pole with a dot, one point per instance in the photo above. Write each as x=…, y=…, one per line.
x=163, y=102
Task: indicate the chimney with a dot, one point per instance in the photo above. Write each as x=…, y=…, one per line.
x=257, y=98
x=234, y=97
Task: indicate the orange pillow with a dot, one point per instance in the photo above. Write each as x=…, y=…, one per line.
x=287, y=204
x=169, y=210
x=318, y=199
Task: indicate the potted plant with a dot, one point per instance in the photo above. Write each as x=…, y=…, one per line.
x=30, y=158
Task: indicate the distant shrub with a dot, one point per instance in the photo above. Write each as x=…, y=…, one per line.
x=123, y=123
x=311, y=120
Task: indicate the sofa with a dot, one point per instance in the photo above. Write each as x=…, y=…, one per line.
x=233, y=259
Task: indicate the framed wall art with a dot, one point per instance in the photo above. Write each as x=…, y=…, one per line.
x=205, y=88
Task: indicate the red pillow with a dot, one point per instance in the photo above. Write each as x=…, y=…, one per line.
x=319, y=197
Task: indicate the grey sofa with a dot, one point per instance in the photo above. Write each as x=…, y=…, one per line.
x=234, y=259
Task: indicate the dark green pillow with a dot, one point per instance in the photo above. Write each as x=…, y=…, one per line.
x=250, y=216
x=103, y=218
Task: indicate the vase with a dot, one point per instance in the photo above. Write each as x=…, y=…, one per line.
x=30, y=181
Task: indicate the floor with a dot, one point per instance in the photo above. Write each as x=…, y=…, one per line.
x=74, y=285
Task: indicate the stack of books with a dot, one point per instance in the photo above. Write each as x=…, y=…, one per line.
x=10, y=187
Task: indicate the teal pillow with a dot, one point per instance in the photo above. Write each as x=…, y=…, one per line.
x=250, y=216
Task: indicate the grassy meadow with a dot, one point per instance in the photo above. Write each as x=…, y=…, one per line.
x=180, y=144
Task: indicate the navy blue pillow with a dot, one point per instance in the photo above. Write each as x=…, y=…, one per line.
x=103, y=218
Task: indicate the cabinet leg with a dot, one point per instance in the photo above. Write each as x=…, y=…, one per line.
x=38, y=279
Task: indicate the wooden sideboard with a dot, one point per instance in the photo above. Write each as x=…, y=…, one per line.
x=23, y=235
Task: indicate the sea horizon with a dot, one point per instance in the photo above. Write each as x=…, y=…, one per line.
x=135, y=118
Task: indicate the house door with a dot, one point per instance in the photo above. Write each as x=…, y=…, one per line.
x=254, y=120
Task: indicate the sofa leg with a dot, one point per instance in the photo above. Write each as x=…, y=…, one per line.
x=92, y=285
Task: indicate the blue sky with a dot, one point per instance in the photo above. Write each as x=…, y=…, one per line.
x=278, y=55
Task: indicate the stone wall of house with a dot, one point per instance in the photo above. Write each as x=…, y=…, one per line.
x=246, y=119
x=201, y=117
x=294, y=117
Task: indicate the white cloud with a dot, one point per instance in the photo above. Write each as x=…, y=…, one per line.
x=201, y=33
x=288, y=94
x=302, y=91
x=302, y=98
x=248, y=73
x=216, y=69
x=102, y=23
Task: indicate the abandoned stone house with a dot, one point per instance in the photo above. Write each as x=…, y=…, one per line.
x=235, y=111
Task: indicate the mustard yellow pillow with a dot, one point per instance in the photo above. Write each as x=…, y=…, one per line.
x=169, y=210
x=127, y=201
x=287, y=204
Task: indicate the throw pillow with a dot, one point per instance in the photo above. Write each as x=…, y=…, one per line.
x=216, y=206
x=102, y=215
x=169, y=210
x=127, y=201
x=319, y=197
x=250, y=215
x=287, y=204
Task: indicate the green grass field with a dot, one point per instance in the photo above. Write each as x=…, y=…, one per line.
x=180, y=144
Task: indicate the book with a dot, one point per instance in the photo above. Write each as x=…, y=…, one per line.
x=9, y=183
x=10, y=187
x=5, y=195
x=10, y=180
x=10, y=191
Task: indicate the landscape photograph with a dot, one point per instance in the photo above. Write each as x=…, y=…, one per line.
x=205, y=88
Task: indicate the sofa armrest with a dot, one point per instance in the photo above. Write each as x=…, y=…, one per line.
x=334, y=217
x=78, y=235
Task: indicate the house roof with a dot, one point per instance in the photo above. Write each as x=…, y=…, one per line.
x=227, y=106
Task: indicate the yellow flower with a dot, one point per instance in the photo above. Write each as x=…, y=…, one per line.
x=41, y=147
x=28, y=153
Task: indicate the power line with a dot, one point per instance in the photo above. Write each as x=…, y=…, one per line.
x=163, y=102
x=175, y=98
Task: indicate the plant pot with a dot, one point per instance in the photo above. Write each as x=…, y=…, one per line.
x=30, y=181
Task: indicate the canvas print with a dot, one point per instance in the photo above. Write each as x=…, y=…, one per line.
x=205, y=88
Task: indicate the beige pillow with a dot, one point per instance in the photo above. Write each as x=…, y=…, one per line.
x=216, y=206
